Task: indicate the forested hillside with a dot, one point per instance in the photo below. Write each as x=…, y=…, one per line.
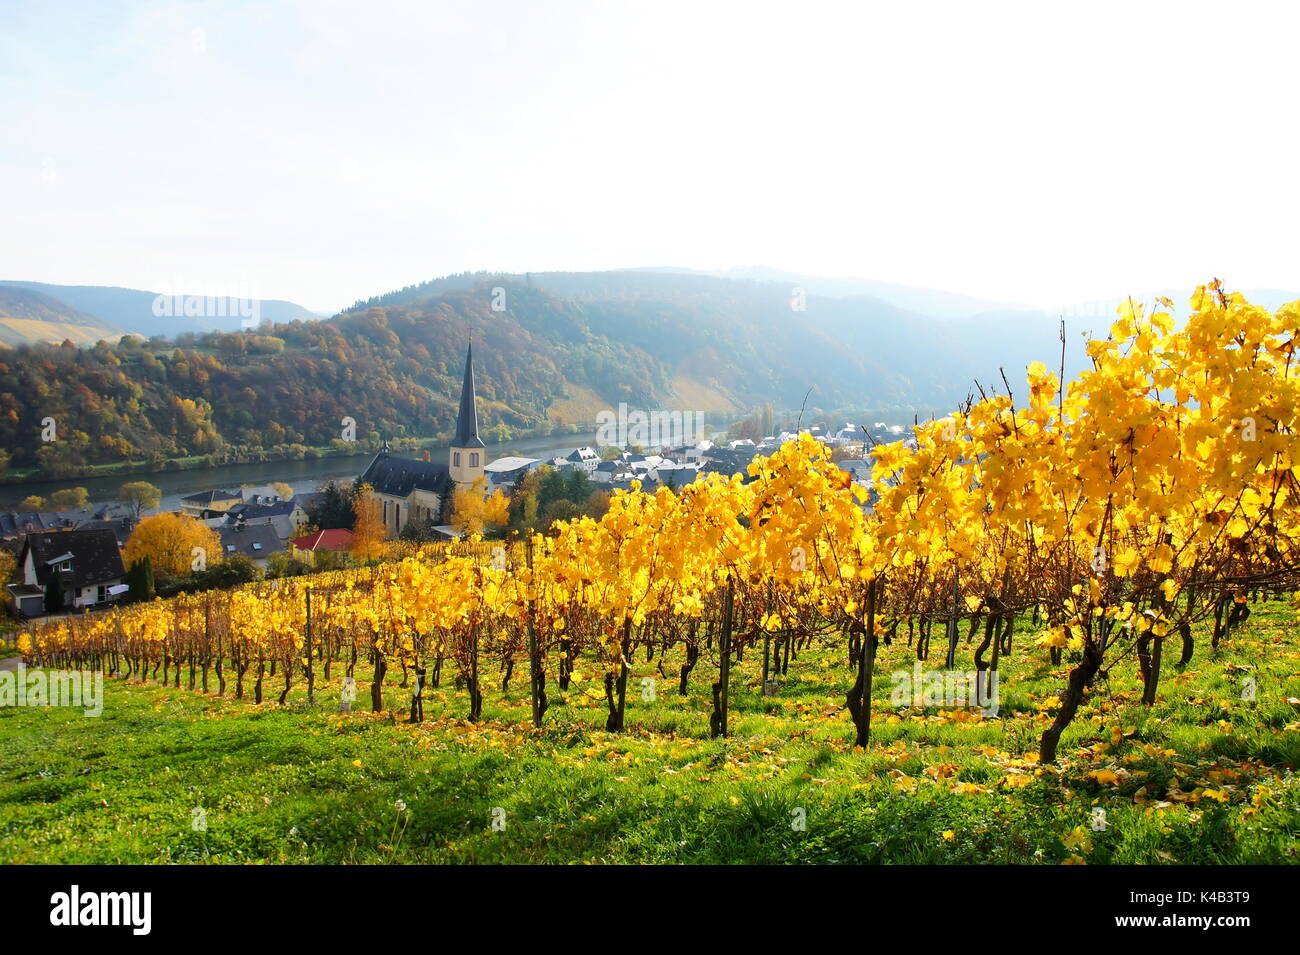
x=553, y=343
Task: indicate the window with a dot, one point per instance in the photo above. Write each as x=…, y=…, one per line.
x=455, y=458
x=257, y=545
x=230, y=548
x=473, y=459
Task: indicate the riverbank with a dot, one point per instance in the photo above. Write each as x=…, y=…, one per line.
x=302, y=474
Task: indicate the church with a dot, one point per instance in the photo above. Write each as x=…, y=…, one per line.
x=414, y=489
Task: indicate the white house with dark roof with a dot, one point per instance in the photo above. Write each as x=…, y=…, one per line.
x=86, y=563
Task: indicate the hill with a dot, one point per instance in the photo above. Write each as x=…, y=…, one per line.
x=29, y=316
x=132, y=310
x=561, y=346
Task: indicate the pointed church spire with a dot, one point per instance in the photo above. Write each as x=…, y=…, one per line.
x=467, y=419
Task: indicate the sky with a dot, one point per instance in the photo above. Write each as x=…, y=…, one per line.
x=323, y=152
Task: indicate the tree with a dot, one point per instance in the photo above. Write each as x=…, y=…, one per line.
x=170, y=541
x=283, y=490
x=141, y=495
x=334, y=507
x=368, y=530
x=70, y=499
x=473, y=511
x=33, y=502
x=418, y=531
x=283, y=564
x=523, y=501
x=139, y=580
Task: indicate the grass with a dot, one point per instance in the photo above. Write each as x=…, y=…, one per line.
x=1202, y=777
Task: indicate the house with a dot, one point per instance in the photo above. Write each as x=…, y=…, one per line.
x=15, y=524
x=585, y=458
x=258, y=495
x=257, y=542
x=699, y=452
x=86, y=563
x=287, y=517
x=120, y=526
x=728, y=462
x=607, y=472
x=336, y=539
x=308, y=500
x=504, y=472
x=206, y=503
x=410, y=489
x=113, y=511
x=673, y=474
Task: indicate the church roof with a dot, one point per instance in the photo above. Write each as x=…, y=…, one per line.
x=398, y=477
x=467, y=419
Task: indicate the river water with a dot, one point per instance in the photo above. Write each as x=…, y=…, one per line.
x=302, y=476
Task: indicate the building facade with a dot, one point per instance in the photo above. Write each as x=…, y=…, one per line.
x=415, y=489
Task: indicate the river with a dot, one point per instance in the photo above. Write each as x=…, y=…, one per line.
x=302, y=476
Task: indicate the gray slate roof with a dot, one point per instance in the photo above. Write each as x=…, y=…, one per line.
x=96, y=558
x=398, y=477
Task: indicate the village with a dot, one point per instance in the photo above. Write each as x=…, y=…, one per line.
x=82, y=558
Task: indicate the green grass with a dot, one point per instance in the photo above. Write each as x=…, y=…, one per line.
x=1203, y=777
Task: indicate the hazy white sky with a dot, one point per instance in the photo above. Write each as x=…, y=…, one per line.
x=326, y=151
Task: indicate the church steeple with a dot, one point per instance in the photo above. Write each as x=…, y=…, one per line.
x=467, y=419
x=467, y=455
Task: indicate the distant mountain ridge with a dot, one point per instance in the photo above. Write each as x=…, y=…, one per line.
x=132, y=311
x=28, y=316
x=925, y=301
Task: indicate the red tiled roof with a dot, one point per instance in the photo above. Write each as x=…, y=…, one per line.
x=338, y=538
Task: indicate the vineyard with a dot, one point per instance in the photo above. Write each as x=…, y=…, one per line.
x=1124, y=528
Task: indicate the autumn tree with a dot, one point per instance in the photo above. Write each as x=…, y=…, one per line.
x=474, y=511
x=70, y=499
x=141, y=495
x=368, y=530
x=176, y=544
x=523, y=501
x=33, y=502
